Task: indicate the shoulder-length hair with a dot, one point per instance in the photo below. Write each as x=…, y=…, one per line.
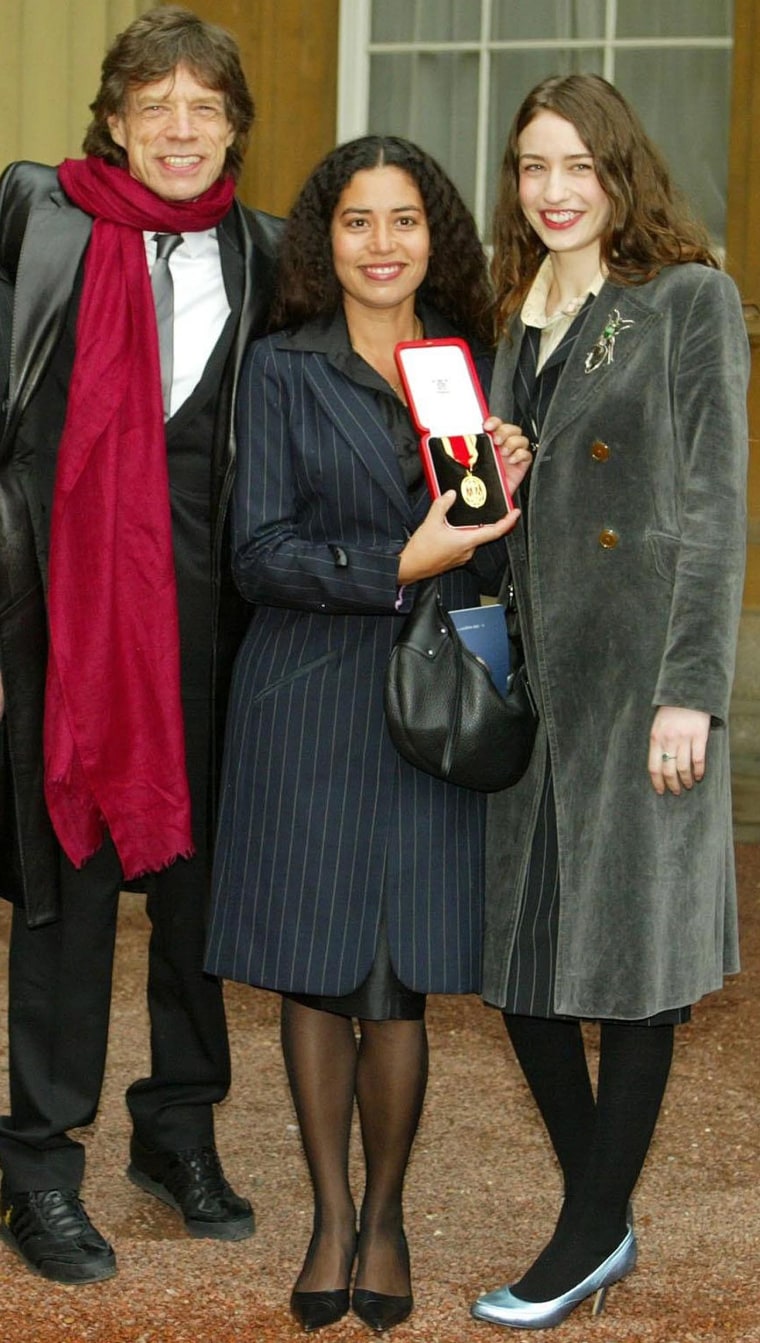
x=456, y=282
x=151, y=49
x=650, y=224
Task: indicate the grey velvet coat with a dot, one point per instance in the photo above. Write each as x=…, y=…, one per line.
x=636, y=519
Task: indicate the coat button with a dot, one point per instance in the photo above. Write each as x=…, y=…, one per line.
x=599, y=451
x=608, y=538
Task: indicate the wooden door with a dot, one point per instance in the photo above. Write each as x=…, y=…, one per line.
x=290, y=52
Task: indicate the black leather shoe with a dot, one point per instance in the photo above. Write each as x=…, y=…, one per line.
x=379, y=1311
x=192, y=1182
x=52, y=1233
x=314, y=1310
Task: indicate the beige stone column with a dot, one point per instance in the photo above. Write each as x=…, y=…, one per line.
x=50, y=55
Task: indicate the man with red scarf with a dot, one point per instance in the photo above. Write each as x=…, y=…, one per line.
x=118, y=620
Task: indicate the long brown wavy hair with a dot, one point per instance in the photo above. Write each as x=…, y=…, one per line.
x=150, y=49
x=650, y=224
x=456, y=282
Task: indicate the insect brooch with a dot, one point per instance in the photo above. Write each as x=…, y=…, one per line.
x=603, y=350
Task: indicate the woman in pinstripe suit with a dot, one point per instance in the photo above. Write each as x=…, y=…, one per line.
x=344, y=878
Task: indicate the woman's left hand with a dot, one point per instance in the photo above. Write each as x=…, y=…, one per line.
x=513, y=447
x=677, y=748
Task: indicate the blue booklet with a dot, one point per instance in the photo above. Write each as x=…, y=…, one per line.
x=484, y=630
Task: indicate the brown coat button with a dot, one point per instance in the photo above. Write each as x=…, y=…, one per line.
x=599, y=451
x=608, y=538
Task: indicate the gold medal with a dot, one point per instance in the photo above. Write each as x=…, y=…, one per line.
x=464, y=449
x=473, y=491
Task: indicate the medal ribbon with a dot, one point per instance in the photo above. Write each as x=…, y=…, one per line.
x=463, y=448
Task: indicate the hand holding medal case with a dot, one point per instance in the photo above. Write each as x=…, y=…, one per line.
x=446, y=400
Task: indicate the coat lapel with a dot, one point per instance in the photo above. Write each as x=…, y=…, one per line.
x=54, y=243
x=247, y=254
x=239, y=293
x=248, y=272
x=362, y=428
x=246, y=299
x=578, y=387
x=501, y=400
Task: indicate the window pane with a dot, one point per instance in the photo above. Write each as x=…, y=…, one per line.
x=514, y=20
x=425, y=21
x=433, y=100
x=513, y=75
x=681, y=93
x=676, y=18
x=683, y=99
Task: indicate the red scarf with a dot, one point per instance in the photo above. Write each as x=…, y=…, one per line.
x=114, y=730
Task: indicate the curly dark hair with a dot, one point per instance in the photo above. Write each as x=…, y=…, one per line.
x=650, y=223
x=456, y=282
x=150, y=49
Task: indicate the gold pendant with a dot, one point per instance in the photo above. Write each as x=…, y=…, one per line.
x=473, y=491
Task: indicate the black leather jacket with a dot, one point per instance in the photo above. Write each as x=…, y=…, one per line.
x=43, y=238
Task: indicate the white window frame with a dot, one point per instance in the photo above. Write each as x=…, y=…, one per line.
x=356, y=50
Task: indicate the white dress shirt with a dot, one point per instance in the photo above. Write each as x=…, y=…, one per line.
x=200, y=306
x=552, y=328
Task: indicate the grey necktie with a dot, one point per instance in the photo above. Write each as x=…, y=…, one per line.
x=163, y=297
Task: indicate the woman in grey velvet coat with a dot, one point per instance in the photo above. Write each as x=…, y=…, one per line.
x=611, y=879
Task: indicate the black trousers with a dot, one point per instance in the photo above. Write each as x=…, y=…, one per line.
x=59, y=1003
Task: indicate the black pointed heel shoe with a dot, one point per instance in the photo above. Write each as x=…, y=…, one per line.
x=378, y=1311
x=315, y=1310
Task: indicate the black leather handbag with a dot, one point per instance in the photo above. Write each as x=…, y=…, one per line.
x=443, y=711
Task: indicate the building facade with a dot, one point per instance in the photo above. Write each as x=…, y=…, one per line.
x=449, y=74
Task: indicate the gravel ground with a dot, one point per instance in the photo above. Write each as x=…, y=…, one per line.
x=482, y=1191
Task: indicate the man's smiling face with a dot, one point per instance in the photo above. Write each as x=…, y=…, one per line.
x=175, y=133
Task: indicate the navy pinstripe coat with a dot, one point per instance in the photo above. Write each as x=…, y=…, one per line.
x=321, y=822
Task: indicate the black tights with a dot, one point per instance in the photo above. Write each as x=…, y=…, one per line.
x=386, y=1071
x=601, y=1143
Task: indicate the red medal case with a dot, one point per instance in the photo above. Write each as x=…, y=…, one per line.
x=446, y=400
